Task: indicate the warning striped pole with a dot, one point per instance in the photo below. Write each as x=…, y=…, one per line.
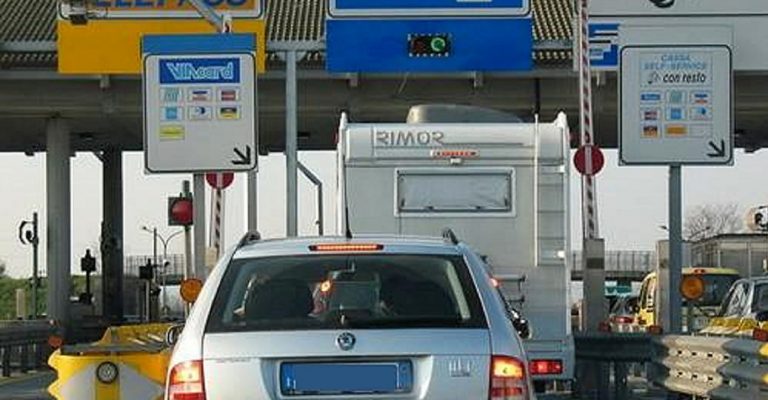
x=217, y=214
x=588, y=186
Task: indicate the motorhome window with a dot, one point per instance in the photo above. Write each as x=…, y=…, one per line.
x=454, y=192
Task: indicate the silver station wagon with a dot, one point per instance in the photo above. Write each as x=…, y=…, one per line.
x=374, y=317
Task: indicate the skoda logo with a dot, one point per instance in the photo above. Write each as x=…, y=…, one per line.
x=663, y=3
x=346, y=341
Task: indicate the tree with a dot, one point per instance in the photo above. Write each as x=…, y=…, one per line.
x=3, y=268
x=708, y=220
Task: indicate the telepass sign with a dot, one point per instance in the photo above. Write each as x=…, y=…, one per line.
x=167, y=8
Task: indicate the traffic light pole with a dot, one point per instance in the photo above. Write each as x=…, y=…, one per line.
x=30, y=236
x=188, y=262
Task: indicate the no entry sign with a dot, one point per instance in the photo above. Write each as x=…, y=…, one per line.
x=220, y=180
x=594, y=154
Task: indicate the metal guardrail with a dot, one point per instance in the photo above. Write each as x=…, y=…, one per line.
x=724, y=368
x=604, y=362
x=24, y=345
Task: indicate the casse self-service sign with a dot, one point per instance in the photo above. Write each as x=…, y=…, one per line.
x=676, y=105
x=199, y=103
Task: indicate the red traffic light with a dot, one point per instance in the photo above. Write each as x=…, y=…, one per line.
x=180, y=211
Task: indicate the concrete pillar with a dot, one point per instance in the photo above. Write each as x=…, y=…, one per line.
x=112, y=236
x=595, y=305
x=59, y=211
x=593, y=375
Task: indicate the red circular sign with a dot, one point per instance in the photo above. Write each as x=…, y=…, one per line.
x=580, y=160
x=220, y=180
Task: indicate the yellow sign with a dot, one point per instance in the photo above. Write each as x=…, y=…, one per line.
x=113, y=46
x=164, y=8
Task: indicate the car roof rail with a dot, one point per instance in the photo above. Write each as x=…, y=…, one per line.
x=248, y=238
x=449, y=236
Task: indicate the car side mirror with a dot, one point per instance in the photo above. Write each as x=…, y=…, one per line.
x=173, y=333
x=762, y=316
x=522, y=327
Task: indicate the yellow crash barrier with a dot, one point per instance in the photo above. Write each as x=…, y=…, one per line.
x=128, y=363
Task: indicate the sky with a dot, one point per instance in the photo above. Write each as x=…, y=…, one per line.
x=632, y=201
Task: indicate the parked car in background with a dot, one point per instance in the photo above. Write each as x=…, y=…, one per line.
x=622, y=315
x=747, y=298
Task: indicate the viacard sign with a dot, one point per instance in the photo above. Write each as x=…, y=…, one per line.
x=108, y=43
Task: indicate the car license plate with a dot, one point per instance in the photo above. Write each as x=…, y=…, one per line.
x=321, y=378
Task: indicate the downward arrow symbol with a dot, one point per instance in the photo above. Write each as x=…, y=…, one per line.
x=717, y=151
x=242, y=158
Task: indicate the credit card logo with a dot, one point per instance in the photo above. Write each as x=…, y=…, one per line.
x=229, y=95
x=200, y=94
x=229, y=113
x=200, y=113
x=650, y=97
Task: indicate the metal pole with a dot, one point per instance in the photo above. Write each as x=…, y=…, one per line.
x=35, y=263
x=291, y=152
x=189, y=270
x=154, y=245
x=675, y=247
x=253, y=183
x=319, y=184
x=165, y=275
x=199, y=224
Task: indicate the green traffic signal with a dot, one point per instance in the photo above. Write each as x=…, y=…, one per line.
x=438, y=44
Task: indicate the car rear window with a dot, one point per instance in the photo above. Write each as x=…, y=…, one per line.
x=361, y=291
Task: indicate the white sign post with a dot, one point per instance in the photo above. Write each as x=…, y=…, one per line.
x=676, y=105
x=199, y=112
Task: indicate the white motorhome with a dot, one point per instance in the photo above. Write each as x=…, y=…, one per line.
x=500, y=187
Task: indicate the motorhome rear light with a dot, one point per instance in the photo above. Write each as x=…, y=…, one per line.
x=508, y=381
x=186, y=381
x=454, y=153
x=761, y=335
x=346, y=247
x=546, y=367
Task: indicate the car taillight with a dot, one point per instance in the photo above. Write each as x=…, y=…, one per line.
x=624, y=320
x=186, y=381
x=546, y=367
x=508, y=381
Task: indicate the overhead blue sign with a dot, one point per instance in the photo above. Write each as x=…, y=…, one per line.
x=432, y=8
x=604, y=45
x=429, y=44
x=199, y=70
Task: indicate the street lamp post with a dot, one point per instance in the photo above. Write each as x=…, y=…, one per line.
x=164, y=242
